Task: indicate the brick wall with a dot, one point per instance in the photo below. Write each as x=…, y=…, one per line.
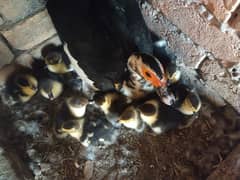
x=25, y=27
x=202, y=33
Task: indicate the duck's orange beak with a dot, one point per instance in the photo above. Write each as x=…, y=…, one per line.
x=151, y=76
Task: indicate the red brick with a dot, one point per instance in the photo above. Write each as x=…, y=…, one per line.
x=217, y=8
x=229, y=3
x=185, y=49
x=224, y=46
x=234, y=21
x=31, y=32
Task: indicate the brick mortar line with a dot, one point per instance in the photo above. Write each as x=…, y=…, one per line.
x=41, y=43
x=234, y=8
x=21, y=21
x=224, y=26
x=5, y=41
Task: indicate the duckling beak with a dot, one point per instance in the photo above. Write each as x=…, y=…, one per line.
x=50, y=96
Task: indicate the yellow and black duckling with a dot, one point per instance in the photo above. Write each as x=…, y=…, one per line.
x=89, y=129
x=187, y=101
x=69, y=117
x=158, y=116
x=112, y=103
x=98, y=131
x=55, y=59
x=71, y=127
x=77, y=105
x=20, y=82
x=26, y=86
x=130, y=118
x=144, y=74
x=51, y=85
x=173, y=75
x=50, y=88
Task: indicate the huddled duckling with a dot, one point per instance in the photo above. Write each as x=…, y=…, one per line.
x=187, y=100
x=112, y=103
x=77, y=105
x=98, y=131
x=20, y=81
x=71, y=127
x=69, y=118
x=130, y=118
x=50, y=88
x=55, y=59
x=152, y=112
x=158, y=116
x=76, y=120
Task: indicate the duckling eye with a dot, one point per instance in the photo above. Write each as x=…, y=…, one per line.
x=22, y=82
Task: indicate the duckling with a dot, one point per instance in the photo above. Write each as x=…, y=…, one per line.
x=98, y=131
x=56, y=64
x=77, y=105
x=130, y=118
x=71, y=127
x=173, y=76
x=26, y=86
x=20, y=81
x=112, y=103
x=50, y=88
x=65, y=123
x=90, y=129
x=55, y=59
x=158, y=116
x=186, y=101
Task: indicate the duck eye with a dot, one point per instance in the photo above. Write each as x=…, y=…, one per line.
x=148, y=74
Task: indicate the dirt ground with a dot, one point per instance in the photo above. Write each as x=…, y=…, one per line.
x=189, y=153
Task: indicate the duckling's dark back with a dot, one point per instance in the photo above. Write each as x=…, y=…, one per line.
x=169, y=118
